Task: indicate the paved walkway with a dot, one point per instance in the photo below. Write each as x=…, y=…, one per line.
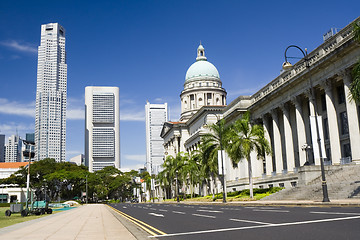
x=94, y=221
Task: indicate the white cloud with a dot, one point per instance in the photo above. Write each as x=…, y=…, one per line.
x=128, y=168
x=12, y=128
x=139, y=158
x=22, y=47
x=159, y=100
x=17, y=108
x=75, y=114
x=126, y=115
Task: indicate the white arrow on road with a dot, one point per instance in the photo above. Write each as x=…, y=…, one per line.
x=156, y=215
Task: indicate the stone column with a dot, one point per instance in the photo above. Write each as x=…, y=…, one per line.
x=353, y=121
x=311, y=102
x=289, y=144
x=277, y=142
x=333, y=124
x=301, y=133
x=268, y=158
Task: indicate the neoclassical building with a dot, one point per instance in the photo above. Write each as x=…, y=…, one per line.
x=202, y=94
x=286, y=108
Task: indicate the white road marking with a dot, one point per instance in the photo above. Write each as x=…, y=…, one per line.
x=145, y=208
x=248, y=221
x=269, y=208
x=263, y=210
x=206, y=207
x=339, y=213
x=250, y=207
x=152, y=208
x=178, y=212
x=156, y=215
x=189, y=206
x=200, y=215
x=163, y=210
x=254, y=227
x=203, y=210
x=124, y=207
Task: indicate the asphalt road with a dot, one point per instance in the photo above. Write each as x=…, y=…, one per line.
x=180, y=221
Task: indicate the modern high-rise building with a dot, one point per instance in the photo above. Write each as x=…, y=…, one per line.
x=50, y=119
x=13, y=149
x=2, y=148
x=156, y=115
x=102, y=127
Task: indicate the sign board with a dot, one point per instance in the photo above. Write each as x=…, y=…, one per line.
x=221, y=160
x=315, y=139
x=152, y=184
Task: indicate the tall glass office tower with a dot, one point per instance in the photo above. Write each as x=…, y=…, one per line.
x=50, y=119
x=102, y=127
x=155, y=116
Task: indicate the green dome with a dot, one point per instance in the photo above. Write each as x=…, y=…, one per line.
x=201, y=68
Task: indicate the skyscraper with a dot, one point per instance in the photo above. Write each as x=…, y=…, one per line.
x=156, y=115
x=13, y=149
x=50, y=119
x=2, y=148
x=102, y=127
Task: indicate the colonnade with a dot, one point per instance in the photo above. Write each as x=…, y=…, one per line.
x=288, y=129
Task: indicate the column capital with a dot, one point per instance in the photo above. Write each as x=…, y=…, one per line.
x=297, y=101
x=274, y=114
x=327, y=85
x=285, y=108
x=345, y=74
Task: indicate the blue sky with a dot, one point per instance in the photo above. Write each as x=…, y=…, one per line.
x=145, y=48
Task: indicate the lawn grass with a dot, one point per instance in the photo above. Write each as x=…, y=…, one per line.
x=14, y=218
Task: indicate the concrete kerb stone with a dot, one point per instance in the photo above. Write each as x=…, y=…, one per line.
x=137, y=232
x=305, y=203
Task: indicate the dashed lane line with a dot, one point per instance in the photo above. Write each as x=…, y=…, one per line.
x=338, y=213
x=248, y=221
x=163, y=210
x=211, y=211
x=156, y=215
x=269, y=210
x=178, y=212
x=200, y=215
x=259, y=226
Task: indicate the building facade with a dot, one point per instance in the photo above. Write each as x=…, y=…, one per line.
x=50, y=118
x=286, y=108
x=102, y=128
x=155, y=116
x=2, y=148
x=13, y=149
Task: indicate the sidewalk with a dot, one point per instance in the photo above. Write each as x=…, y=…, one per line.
x=93, y=221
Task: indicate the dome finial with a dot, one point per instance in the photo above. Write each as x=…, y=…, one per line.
x=201, y=53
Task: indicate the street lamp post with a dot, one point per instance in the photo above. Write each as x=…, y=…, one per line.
x=222, y=157
x=286, y=66
x=29, y=144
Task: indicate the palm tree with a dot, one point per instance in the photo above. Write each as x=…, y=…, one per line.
x=172, y=168
x=246, y=138
x=355, y=85
x=191, y=170
x=210, y=145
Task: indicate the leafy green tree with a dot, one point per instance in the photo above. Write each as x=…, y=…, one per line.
x=245, y=138
x=355, y=85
